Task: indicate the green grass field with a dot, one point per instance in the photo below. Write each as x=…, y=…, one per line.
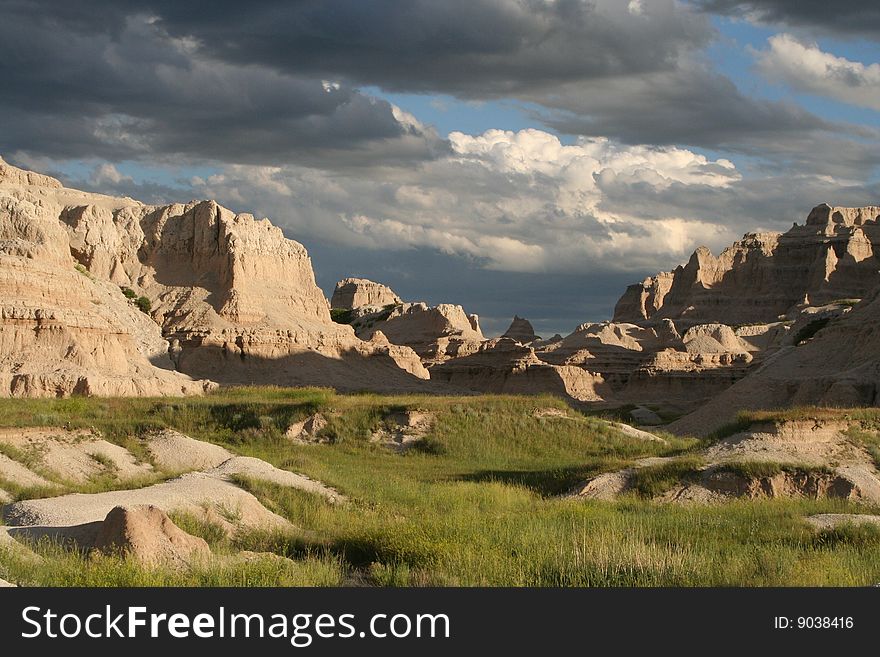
x=476, y=503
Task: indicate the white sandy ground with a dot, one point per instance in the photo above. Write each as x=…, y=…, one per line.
x=77, y=516
x=15, y=473
x=831, y=520
x=74, y=456
x=4, y=584
x=175, y=452
x=205, y=491
x=247, y=466
x=632, y=432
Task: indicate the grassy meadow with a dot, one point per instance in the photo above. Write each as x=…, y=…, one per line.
x=477, y=502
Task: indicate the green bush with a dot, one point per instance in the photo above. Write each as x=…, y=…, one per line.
x=143, y=304
x=341, y=315
x=128, y=292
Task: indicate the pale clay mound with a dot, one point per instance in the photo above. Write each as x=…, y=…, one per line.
x=851, y=473
x=632, y=432
x=15, y=473
x=609, y=485
x=194, y=492
x=246, y=466
x=208, y=494
x=75, y=456
x=174, y=452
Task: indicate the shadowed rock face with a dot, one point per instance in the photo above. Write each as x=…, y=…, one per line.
x=521, y=330
x=765, y=275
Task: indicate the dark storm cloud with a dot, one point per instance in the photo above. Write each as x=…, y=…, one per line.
x=554, y=303
x=845, y=17
x=271, y=81
x=465, y=47
x=134, y=91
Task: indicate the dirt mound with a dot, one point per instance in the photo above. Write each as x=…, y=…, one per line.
x=74, y=456
x=632, y=432
x=609, y=485
x=147, y=534
x=787, y=483
x=403, y=428
x=796, y=442
x=246, y=466
x=174, y=452
x=15, y=473
x=785, y=459
x=196, y=492
x=308, y=431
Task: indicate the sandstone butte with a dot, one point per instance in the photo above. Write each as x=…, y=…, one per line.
x=232, y=301
x=774, y=319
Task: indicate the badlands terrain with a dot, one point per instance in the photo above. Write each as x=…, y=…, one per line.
x=180, y=404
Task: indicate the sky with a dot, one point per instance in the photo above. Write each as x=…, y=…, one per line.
x=527, y=157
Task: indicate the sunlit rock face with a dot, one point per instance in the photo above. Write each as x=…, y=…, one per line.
x=213, y=294
x=766, y=275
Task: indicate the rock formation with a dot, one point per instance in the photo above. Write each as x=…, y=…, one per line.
x=839, y=365
x=236, y=301
x=521, y=330
x=63, y=330
x=146, y=534
x=506, y=366
x=435, y=333
x=766, y=275
x=360, y=292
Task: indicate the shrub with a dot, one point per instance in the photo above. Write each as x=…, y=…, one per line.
x=655, y=480
x=128, y=292
x=341, y=315
x=143, y=304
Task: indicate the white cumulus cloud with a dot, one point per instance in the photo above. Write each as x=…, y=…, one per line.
x=512, y=201
x=807, y=68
